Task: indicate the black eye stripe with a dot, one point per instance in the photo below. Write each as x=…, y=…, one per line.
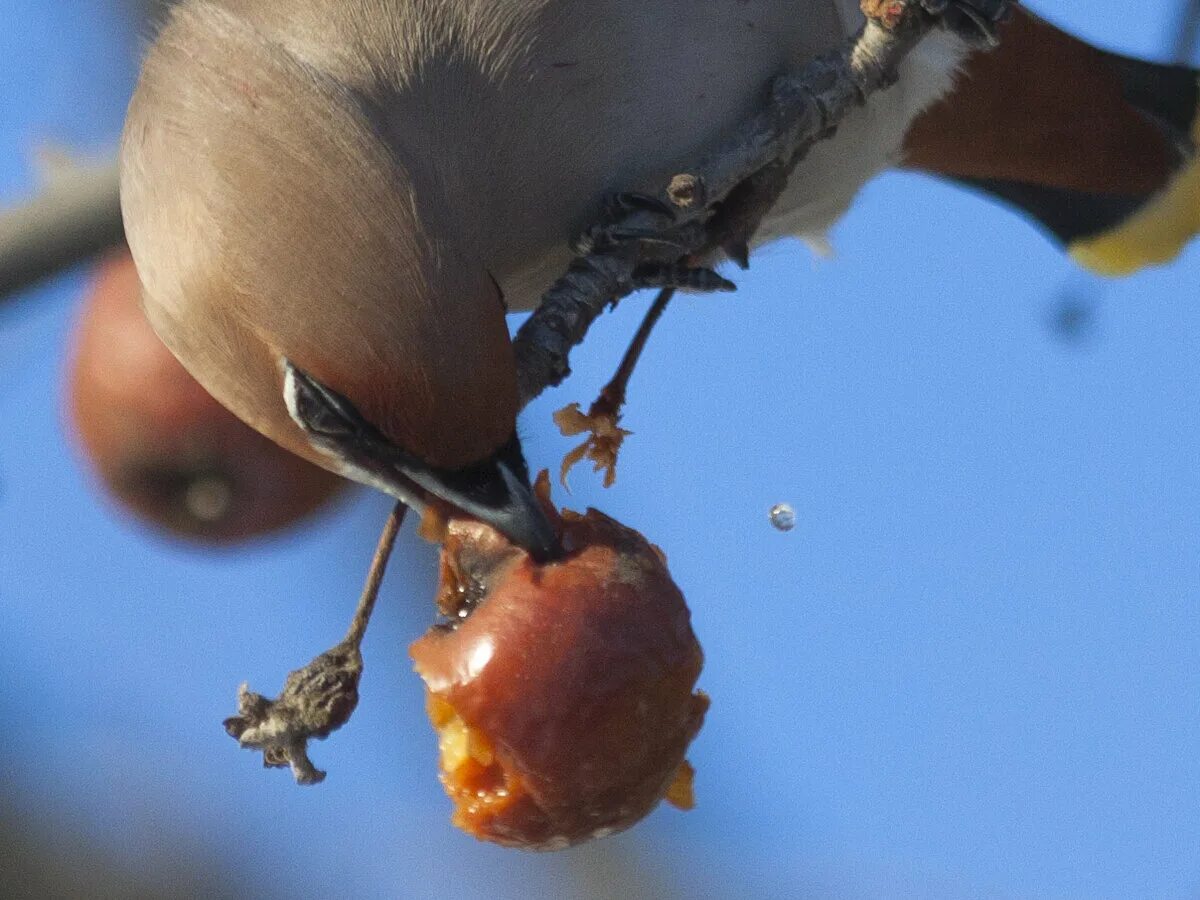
x=317, y=409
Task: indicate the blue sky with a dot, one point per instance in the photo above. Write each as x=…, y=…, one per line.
x=970, y=671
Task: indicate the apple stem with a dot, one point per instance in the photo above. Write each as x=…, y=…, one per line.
x=383, y=552
x=602, y=421
x=319, y=698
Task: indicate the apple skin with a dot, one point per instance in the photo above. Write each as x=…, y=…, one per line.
x=163, y=448
x=576, y=677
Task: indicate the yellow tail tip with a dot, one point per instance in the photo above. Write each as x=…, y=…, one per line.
x=1153, y=236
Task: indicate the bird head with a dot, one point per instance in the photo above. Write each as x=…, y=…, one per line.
x=315, y=275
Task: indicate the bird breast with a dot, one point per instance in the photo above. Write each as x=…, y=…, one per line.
x=529, y=113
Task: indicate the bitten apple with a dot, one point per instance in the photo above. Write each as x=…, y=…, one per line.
x=562, y=693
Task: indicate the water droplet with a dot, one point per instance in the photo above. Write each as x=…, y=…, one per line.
x=783, y=517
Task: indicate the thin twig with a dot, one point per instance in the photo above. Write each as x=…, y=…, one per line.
x=620, y=381
x=318, y=699
x=603, y=418
x=383, y=552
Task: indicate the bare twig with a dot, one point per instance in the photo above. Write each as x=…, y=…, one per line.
x=719, y=203
x=72, y=219
x=383, y=552
x=318, y=699
x=616, y=388
x=603, y=418
x=75, y=217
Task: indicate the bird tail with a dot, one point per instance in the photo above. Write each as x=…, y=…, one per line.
x=1100, y=149
x=1156, y=230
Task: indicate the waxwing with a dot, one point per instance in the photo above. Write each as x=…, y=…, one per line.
x=332, y=203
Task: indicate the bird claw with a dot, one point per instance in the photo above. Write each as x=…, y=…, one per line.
x=681, y=276
x=738, y=252
x=646, y=237
x=627, y=202
x=632, y=218
x=974, y=21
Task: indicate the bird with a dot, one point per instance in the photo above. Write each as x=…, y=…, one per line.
x=333, y=204
x=1095, y=147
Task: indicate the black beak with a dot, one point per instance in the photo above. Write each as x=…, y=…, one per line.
x=495, y=491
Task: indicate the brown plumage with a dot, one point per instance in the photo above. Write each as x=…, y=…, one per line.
x=288, y=230
x=343, y=184
x=1099, y=148
x=1043, y=108
x=347, y=186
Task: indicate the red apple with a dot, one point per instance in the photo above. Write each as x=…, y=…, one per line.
x=562, y=693
x=162, y=446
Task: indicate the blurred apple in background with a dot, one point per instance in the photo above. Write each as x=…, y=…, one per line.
x=164, y=448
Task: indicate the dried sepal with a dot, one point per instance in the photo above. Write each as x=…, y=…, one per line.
x=681, y=793
x=316, y=701
x=605, y=436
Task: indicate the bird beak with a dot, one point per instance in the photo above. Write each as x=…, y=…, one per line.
x=496, y=491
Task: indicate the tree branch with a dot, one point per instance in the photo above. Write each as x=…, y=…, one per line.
x=718, y=203
x=76, y=217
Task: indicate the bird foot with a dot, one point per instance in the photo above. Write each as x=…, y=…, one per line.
x=975, y=21
x=637, y=219
x=693, y=279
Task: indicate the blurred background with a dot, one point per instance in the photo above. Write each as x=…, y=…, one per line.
x=970, y=670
